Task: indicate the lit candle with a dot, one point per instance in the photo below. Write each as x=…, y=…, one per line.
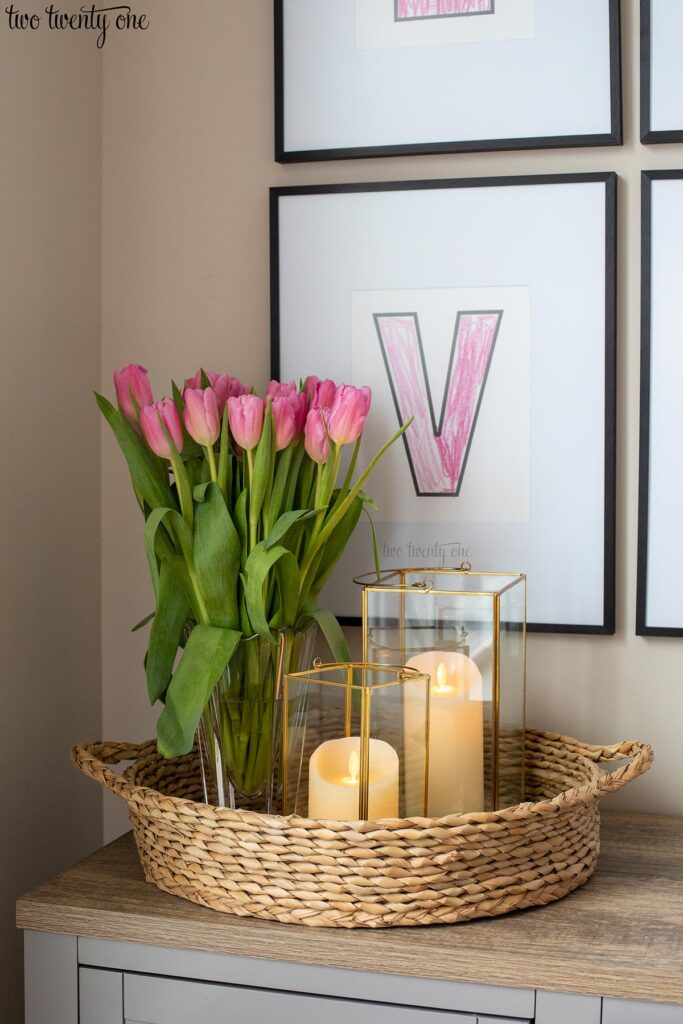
x=334, y=780
x=456, y=731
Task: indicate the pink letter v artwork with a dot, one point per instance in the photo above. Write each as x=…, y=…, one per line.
x=415, y=10
x=437, y=455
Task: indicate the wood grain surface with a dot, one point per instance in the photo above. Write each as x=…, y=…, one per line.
x=621, y=935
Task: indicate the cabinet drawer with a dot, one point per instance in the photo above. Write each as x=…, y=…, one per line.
x=150, y=1000
x=621, y=1011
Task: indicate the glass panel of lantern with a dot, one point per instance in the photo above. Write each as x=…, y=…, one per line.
x=346, y=755
x=466, y=630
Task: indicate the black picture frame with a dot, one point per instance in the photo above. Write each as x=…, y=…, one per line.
x=608, y=624
x=647, y=135
x=612, y=138
x=642, y=629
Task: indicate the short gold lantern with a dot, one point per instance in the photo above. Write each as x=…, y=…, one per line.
x=346, y=755
x=467, y=631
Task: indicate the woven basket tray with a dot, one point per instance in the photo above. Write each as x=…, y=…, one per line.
x=370, y=874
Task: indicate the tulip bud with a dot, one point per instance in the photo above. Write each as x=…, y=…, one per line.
x=131, y=383
x=281, y=389
x=298, y=404
x=348, y=413
x=200, y=416
x=196, y=381
x=284, y=422
x=245, y=416
x=226, y=387
x=223, y=384
x=320, y=392
x=153, y=419
x=316, y=441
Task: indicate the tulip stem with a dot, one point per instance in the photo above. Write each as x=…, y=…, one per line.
x=203, y=613
x=324, y=488
x=212, y=463
x=342, y=508
x=253, y=520
x=352, y=467
x=183, y=488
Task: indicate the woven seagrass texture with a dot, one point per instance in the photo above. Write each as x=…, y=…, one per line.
x=415, y=871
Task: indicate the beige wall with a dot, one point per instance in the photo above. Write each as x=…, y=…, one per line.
x=50, y=120
x=188, y=142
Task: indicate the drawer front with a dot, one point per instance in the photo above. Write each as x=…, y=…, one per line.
x=149, y=1000
x=621, y=1011
x=502, y=1020
x=100, y=996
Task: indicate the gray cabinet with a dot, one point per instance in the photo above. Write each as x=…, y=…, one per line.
x=116, y=997
x=163, y=1001
x=621, y=1011
x=72, y=980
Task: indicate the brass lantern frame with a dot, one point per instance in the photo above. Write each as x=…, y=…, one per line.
x=361, y=691
x=395, y=580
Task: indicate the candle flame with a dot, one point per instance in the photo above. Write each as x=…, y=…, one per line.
x=354, y=768
x=442, y=679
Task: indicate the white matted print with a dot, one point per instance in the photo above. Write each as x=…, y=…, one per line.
x=660, y=552
x=387, y=77
x=661, y=71
x=455, y=258
x=457, y=359
x=390, y=23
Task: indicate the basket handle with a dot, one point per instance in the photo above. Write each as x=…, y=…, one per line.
x=93, y=758
x=641, y=757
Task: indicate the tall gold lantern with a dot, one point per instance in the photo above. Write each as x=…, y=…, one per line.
x=467, y=631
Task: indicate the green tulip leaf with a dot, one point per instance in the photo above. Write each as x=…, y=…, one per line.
x=259, y=564
x=178, y=525
x=286, y=521
x=148, y=472
x=280, y=482
x=206, y=655
x=335, y=546
x=173, y=611
x=332, y=632
x=225, y=459
x=263, y=470
x=241, y=523
x=142, y=623
x=217, y=556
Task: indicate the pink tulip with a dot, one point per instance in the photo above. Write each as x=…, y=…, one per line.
x=284, y=422
x=196, y=381
x=316, y=441
x=297, y=399
x=320, y=392
x=348, y=413
x=200, y=415
x=153, y=419
x=245, y=415
x=298, y=404
x=281, y=389
x=226, y=387
x=223, y=384
x=131, y=383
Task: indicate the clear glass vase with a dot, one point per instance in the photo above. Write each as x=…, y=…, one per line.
x=239, y=736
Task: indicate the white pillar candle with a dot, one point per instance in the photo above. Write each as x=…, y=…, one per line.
x=334, y=780
x=456, y=731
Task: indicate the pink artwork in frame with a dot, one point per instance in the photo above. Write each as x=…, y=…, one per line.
x=437, y=453
x=416, y=10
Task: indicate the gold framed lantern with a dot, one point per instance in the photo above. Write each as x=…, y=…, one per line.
x=345, y=752
x=467, y=631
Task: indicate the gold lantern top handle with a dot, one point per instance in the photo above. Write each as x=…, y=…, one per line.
x=384, y=580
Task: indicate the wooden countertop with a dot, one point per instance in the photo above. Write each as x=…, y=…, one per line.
x=621, y=935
